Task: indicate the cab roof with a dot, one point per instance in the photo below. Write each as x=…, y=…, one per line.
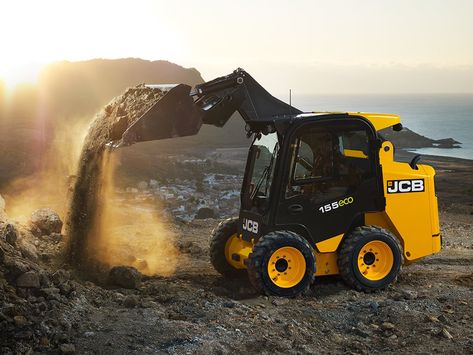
x=378, y=120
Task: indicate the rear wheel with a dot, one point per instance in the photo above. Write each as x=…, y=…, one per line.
x=220, y=245
x=282, y=263
x=370, y=258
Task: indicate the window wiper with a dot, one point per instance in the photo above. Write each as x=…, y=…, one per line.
x=265, y=176
x=260, y=182
x=270, y=168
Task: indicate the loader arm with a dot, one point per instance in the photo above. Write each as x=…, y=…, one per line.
x=183, y=109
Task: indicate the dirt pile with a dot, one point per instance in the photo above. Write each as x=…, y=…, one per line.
x=32, y=297
x=92, y=212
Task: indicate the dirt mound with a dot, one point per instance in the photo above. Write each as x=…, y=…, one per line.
x=108, y=125
x=31, y=294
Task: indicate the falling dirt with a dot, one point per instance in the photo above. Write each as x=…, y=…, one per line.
x=130, y=232
x=102, y=231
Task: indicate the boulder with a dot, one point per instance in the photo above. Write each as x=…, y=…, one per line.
x=16, y=267
x=28, y=250
x=125, y=276
x=10, y=233
x=29, y=279
x=46, y=221
x=204, y=213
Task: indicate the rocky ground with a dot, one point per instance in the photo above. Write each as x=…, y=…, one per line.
x=46, y=307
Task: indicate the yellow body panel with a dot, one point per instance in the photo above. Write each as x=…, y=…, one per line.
x=379, y=120
x=354, y=153
x=412, y=216
x=436, y=244
x=326, y=264
x=329, y=245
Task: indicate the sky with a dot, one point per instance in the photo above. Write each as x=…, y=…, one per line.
x=350, y=46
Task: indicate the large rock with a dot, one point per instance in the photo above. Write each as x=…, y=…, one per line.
x=16, y=266
x=28, y=250
x=46, y=221
x=125, y=276
x=10, y=233
x=28, y=279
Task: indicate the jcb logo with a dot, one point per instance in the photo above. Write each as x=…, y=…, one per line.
x=250, y=226
x=401, y=186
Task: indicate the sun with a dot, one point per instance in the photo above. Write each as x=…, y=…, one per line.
x=14, y=74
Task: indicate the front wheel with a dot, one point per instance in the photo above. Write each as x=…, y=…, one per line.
x=222, y=239
x=370, y=258
x=282, y=263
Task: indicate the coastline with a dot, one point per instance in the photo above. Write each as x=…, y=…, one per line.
x=453, y=180
x=404, y=154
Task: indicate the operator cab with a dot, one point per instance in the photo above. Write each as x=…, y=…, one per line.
x=316, y=176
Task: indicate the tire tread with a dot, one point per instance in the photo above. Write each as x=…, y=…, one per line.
x=264, y=246
x=218, y=239
x=345, y=256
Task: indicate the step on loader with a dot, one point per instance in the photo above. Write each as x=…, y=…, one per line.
x=322, y=193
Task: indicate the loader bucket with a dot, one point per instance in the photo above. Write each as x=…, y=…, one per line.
x=181, y=112
x=175, y=115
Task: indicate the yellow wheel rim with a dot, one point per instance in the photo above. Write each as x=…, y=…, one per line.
x=231, y=246
x=375, y=260
x=286, y=267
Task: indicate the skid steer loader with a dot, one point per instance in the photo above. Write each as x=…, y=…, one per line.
x=321, y=195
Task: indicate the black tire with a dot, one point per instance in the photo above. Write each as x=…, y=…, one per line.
x=218, y=240
x=259, y=259
x=350, y=251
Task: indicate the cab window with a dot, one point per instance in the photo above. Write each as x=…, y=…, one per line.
x=328, y=162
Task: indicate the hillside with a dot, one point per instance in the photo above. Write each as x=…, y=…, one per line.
x=65, y=100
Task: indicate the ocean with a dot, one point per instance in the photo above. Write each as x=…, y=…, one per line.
x=433, y=115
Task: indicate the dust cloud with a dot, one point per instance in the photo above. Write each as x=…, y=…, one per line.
x=128, y=231
x=51, y=184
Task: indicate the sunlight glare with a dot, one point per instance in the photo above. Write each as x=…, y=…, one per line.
x=21, y=73
x=35, y=33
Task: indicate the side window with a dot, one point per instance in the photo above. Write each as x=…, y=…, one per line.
x=328, y=163
x=304, y=160
x=314, y=156
x=354, y=143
